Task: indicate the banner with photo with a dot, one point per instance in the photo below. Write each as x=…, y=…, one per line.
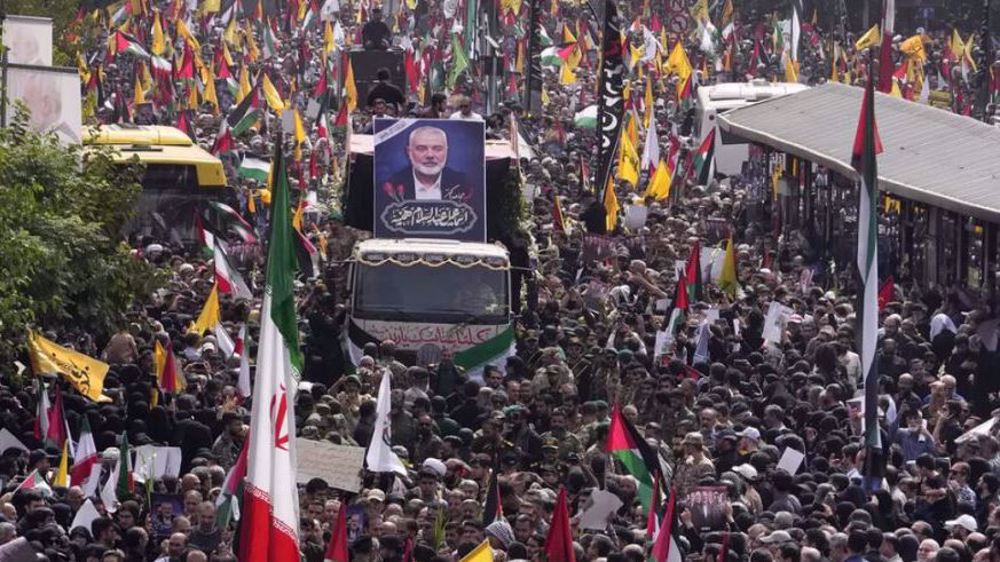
x=430, y=179
x=53, y=96
x=28, y=40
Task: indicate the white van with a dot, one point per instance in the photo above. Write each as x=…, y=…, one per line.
x=719, y=98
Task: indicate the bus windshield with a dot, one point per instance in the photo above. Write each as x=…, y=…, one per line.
x=420, y=293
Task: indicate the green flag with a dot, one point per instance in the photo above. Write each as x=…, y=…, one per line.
x=459, y=61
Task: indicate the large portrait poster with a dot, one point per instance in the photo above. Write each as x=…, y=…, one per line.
x=430, y=179
x=28, y=39
x=52, y=94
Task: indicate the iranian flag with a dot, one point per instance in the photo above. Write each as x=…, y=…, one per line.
x=630, y=448
x=86, y=471
x=228, y=277
x=270, y=523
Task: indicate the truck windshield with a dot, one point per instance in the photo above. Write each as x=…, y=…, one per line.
x=420, y=293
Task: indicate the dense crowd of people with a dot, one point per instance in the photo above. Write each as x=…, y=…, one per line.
x=721, y=405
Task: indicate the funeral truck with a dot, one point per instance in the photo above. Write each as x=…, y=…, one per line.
x=434, y=297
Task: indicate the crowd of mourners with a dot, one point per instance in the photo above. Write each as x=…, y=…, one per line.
x=721, y=415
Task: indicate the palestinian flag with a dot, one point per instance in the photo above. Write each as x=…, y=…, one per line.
x=35, y=481
x=255, y=169
x=630, y=448
x=867, y=145
x=692, y=272
x=704, y=159
x=492, y=508
x=244, y=115
x=227, y=504
x=666, y=547
x=679, y=306
x=125, y=43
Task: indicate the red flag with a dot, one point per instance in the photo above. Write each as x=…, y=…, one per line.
x=412, y=74
x=557, y=214
x=321, y=86
x=559, y=542
x=885, y=292
x=186, y=69
x=57, y=423
x=858, y=152
x=652, y=524
x=336, y=551
x=665, y=542
x=341, y=119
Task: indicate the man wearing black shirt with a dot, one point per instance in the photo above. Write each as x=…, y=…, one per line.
x=375, y=34
x=385, y=90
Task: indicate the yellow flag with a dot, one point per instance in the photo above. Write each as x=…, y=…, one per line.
x=700, y=11
x=299, y=214
x=230, y=34
x=328, y=43
x=678, y=63
x=84, y=373
x=303, y=6
x=566, y=75
x=519, y=61
x=300, y=130
x=647, y=100
x=791, y=71
x=351, y=87
x=871, y=38
x=209, y=94
x=272, y=96
x=632, y=129
x=957, y=45
x=62, y=476
x=611, y=206
x=659, y=184
x=159, y=358
x=628, y=164
x=211, y=7
x=139, y=96
x=185, y=33
x=210, y=315
x=568, y=35
x=159, y=45
x=482, y=553
x=253, y=53
x=728, y=280
x=968, y=52
x=914, y=48
x=411, y=5
x=894, y=92
x=82, y=68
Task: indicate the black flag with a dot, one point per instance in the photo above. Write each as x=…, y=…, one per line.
x=610, y=103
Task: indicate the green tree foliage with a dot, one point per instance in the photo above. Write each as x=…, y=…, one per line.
x=63, y=262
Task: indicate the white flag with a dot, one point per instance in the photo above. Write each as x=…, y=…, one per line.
x=380, y=457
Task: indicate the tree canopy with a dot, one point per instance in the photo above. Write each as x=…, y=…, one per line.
x=63, y=260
